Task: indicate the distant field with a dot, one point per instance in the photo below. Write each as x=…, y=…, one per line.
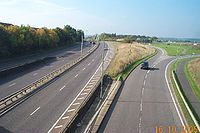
x=127, y=54
x=193, y=74
x=177, y=49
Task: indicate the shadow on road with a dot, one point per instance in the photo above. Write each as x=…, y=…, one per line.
x=3, y=130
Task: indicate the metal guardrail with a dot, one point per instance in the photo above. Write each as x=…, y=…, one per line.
x=69, y=115
x=8, y=101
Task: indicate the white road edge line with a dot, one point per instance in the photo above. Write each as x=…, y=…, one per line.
x=75, y=98
x=35, y=111
x=176, y=107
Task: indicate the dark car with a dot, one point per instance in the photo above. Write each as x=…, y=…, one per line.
x=145, y=65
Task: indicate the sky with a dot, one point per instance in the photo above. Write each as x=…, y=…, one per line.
x=161, y=18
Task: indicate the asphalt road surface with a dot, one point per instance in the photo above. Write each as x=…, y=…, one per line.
x=39, y=112
x=144, y=102
x=187, y=88
x=17, y=81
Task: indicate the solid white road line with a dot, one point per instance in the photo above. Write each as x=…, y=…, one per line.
x=176, y=107
x=75, y=98
x=35, y=111
x=12, y=84
x=62, y=88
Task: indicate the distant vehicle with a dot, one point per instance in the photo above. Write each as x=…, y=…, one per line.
x=145, y=65
x=93, y=42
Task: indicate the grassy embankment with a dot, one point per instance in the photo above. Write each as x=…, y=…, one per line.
x=185, y=112
x=178, y=49
x=192, y=72
x=127, y=57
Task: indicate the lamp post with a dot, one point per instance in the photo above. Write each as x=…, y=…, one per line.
x=82, y=42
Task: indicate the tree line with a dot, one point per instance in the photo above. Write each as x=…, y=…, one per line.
x=127, y=38
x=20, y=40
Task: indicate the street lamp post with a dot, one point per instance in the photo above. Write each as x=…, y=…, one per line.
x=82, y=41
x=102, y=73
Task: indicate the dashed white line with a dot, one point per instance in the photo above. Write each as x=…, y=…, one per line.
x=76, y=103
x=144, y=82
x=92, y=60
x=66, y=117
x=89, y=64
x=12, y=84
x=58, y=126
x=148, y=71
x=62, y=88
x=84, y=68
x=71, y=110
x=76, y=75
x=146, y=76
x=35, y=74
x=35, y=111
x=140, y=106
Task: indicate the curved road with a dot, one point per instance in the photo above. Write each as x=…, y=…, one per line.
x=39, y=112
x=144, y=102
x=187, y=88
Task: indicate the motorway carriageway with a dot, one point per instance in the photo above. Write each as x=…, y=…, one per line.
x=17, y=81
x=39, y=112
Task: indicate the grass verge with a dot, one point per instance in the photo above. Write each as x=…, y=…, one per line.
x=178, y=49
x=192, y=73
x=127, y=57
x=183, y=108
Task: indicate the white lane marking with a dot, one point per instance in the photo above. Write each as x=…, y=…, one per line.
x=92, y=60
x=87, y=89
x=89, y=64
x=66, y=117
x=75, y=98
x=140, y=106
x=35, y=74
x=58, y=126
x=84, y=68
x=144, y=82
x=80, y=98
x=140, y=125
x=12, y=84
x=76, y=75
x=176, y=107
x=71, y=110
x=84, y=94
x=142, y=90
x=146, y=76
x=62, y=88
x=148, y=71
x=76, y=104
x=35, y=111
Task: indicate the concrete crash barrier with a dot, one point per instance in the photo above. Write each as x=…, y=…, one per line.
x=11, y=100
